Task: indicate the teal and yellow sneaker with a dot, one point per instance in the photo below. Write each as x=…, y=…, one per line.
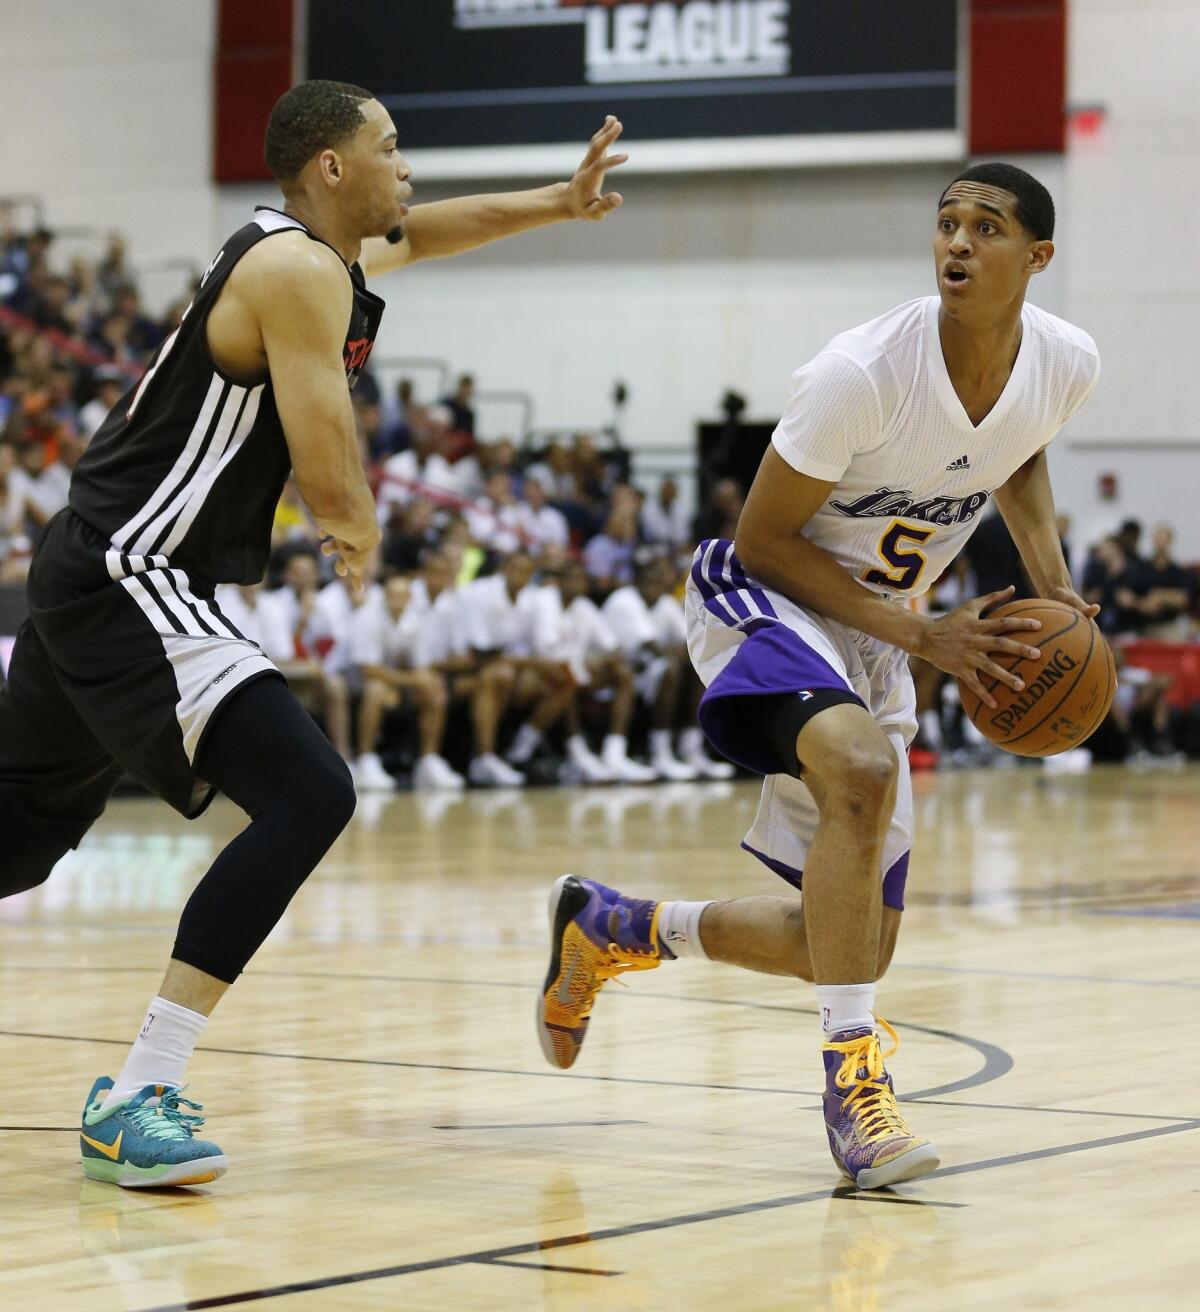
x=146, y=1142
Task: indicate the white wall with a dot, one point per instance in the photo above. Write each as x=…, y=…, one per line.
x=701, y=282
x=1132, y=273
x=105, y=112
x=696, y=284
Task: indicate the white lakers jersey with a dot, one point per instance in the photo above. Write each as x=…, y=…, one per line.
x=876, y=413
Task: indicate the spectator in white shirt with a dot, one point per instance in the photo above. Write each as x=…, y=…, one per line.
x=42, y=487
x=650, y=627
x=383, y=644
x=554, y=472
x=304, y=641
x=589, y=647
x=664, y=518
x=494, y=519
x=501, y=615
x=109, y=382
x=540, y=524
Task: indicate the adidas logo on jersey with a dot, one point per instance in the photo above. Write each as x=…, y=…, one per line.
x=961, y=463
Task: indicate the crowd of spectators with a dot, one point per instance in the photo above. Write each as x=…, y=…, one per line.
x=523, y=619
x=72, y=340
x=1152, y=596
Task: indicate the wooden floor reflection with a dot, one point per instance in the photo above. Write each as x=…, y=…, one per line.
x=396, y=1140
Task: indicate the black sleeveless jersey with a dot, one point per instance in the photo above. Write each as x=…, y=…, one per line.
x=189, y=466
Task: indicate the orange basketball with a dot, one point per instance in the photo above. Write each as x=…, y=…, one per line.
x=1067, y=691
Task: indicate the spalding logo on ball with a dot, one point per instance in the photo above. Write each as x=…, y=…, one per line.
x=1067, y=692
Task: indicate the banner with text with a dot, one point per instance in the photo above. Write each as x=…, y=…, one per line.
x=489, y=84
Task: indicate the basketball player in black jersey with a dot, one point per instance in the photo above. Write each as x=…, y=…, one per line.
x=126, y=663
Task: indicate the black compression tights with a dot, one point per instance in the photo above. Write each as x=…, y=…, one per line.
x=264, y=753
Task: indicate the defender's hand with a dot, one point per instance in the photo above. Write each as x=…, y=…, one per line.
x=961, y=643
x=584, y=195
x=349, y=562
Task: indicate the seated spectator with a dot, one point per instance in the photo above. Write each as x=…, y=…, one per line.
x=1107, y=579
x=553, y=472
x=580, y=637
x=412, y=537
x=539, y=524
x=293, y=523
x=425, y=467
x=383, y=643
x=494, y=519
x=108, y=386
x=301, y=642
x=608, y=557
x=399, y=422
x=459, y=404
x=664, y=519
x=1166, y=591
x=499, y=616
x=720, y=514
x=144, y=335
x=52, y=308
x=42, y=486
x=654, y=644
x=15, y=544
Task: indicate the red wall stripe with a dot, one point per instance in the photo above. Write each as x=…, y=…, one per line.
x=255, y=45
x=1018, y=76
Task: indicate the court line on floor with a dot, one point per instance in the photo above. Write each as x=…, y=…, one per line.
x=550, y=1266
x=1050, y=975
x=997, y=1062
x=600, y=1079
x=640, y=1227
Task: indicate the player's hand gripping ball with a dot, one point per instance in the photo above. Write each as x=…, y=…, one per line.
x=1067, y=692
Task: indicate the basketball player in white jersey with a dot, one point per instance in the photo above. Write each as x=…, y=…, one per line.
x=896, y=436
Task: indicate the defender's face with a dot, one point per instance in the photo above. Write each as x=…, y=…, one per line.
x=378, y=175
x=983, y=254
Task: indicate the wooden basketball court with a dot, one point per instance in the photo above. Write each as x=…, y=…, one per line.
x=397, y=1142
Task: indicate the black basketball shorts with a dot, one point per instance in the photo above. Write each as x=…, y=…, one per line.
x=121, y=666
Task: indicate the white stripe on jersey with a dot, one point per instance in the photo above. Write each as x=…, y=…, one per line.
x=220, y=453
x=213, y=448
x=123, y=537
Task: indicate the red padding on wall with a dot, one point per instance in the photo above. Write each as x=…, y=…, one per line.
x=1018, y=76
x=254, y=68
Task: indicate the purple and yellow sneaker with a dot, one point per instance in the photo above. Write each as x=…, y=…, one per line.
x=868, y=1137
x=596, y=933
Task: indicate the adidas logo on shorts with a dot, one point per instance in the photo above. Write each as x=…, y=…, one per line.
x=961, y=463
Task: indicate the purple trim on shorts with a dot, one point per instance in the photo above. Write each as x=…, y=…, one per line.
x=707, y=591
x=893, y=881
x=772, y=660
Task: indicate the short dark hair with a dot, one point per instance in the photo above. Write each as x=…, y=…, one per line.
x=309, y=118
x=1035, y=205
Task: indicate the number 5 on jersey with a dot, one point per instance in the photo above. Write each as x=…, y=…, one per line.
x=907, y=562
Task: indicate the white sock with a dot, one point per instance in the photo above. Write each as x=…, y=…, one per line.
x=660, y=742
x=524, y=745
x=846, y=1007
x=577, y=748
x=691, y=744
x=161, y=1051
x=679, y=928
x=616, y=745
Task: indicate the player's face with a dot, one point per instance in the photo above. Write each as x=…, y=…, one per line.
x=984, y=256
x=379, y=176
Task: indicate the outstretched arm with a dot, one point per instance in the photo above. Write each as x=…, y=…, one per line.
x=449, y=227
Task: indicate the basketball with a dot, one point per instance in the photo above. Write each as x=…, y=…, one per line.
x=1067, y=692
